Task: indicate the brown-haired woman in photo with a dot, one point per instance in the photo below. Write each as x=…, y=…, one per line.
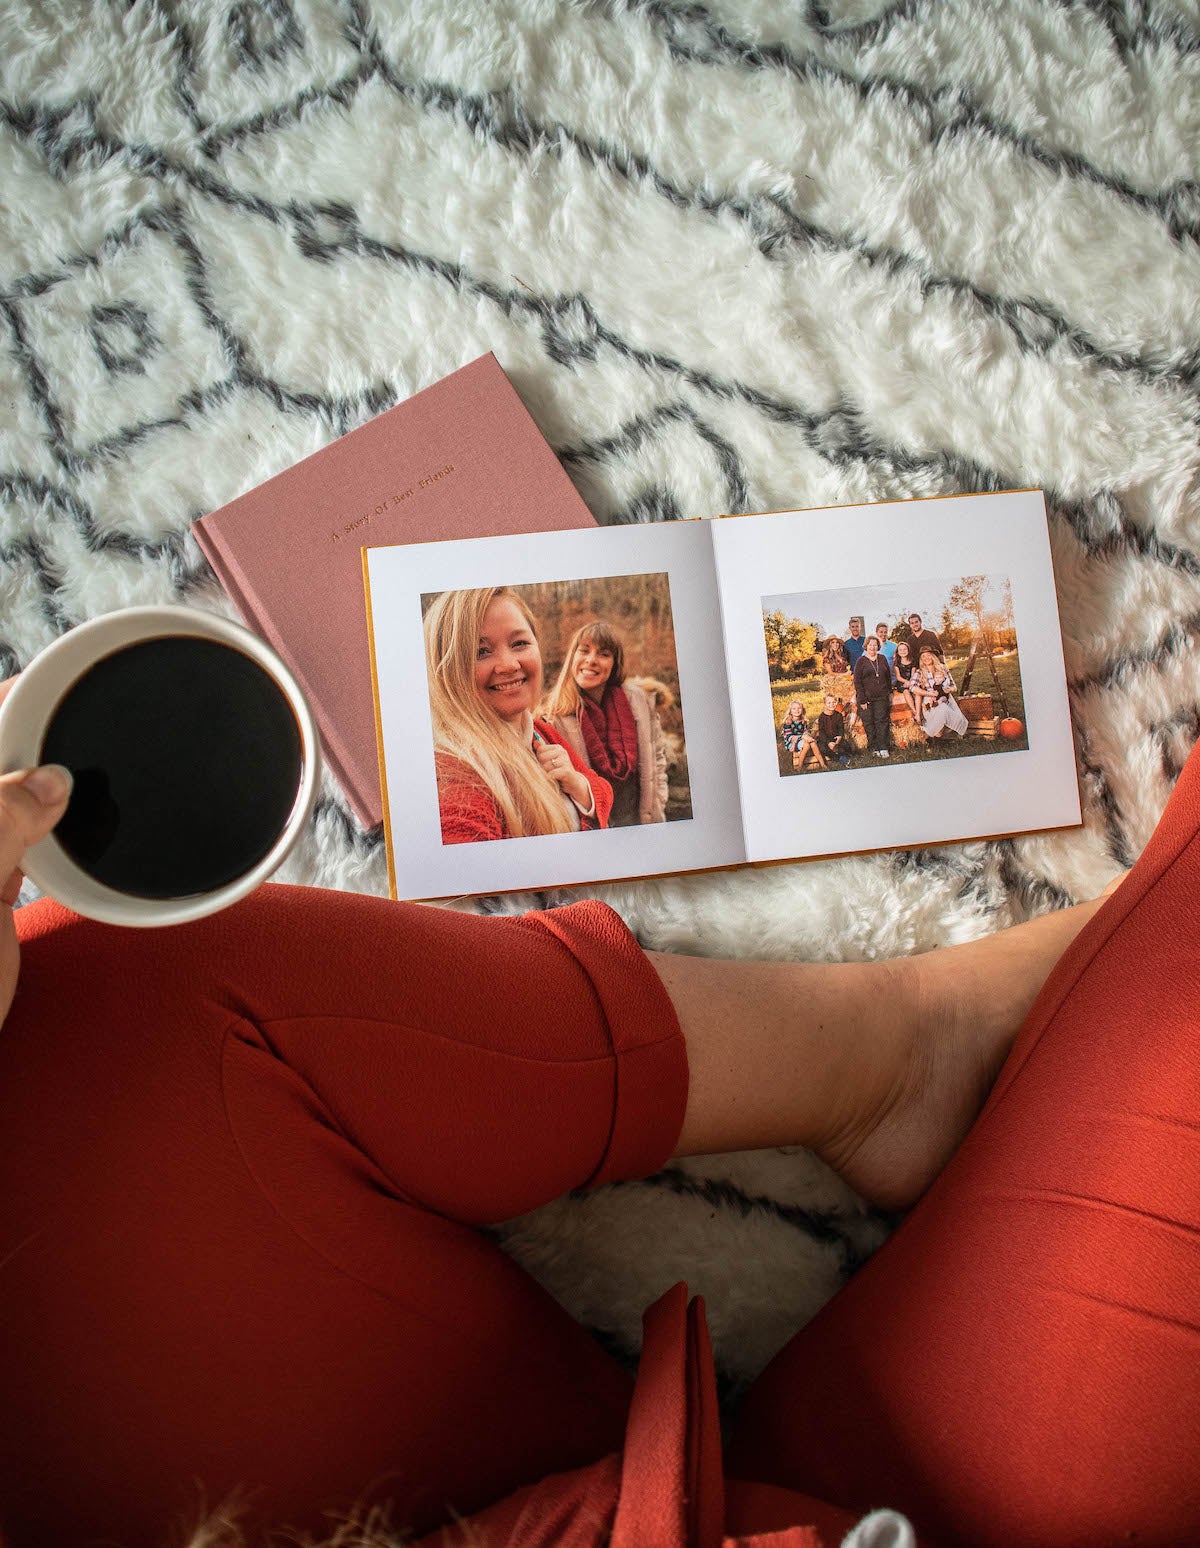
x=903, y=667
x=500, y=772
x=611, y=725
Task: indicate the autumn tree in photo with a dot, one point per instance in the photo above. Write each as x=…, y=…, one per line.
x=974, y=598
x=792, y=645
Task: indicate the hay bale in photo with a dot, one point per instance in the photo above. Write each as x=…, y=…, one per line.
x=907, y=733
x=839, y=684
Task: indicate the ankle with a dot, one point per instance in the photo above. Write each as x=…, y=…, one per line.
x=883, y=1069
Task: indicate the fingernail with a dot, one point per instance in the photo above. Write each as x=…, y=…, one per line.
x=51, y=784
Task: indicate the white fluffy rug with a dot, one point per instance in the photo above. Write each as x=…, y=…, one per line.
x=735, y=256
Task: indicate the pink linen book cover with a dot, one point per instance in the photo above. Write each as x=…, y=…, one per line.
x=463, y=458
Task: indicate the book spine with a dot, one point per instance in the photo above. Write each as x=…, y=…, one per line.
x=224, y=566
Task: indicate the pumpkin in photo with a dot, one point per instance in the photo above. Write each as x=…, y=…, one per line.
x=1011, y=727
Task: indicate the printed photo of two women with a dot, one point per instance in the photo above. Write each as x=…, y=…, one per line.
x=555, y=707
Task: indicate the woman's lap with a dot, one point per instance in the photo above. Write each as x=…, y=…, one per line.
x=236, y=1246
x=1019, y=1363
x=234, y=1178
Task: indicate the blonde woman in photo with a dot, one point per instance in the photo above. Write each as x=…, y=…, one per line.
x=934, y=689
x=611, y=725
x=501, y=773
x=837, y=678
x=834, y=656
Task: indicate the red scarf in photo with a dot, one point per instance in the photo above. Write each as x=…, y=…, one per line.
x=609, y=734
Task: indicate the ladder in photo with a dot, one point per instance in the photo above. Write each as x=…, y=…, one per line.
x=981, y=645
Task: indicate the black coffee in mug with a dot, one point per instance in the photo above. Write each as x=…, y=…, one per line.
x=187, y=761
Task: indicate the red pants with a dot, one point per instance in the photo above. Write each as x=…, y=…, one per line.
x=241, y=1162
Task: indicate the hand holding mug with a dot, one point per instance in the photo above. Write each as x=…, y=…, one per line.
x=31, y=802
x=194, y=759
x=557, y=763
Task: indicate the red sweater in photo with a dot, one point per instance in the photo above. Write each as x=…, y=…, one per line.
x=469, y=812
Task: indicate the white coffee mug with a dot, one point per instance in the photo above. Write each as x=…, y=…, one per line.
x=31, y=704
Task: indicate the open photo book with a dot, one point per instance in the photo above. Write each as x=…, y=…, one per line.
x=582, y=706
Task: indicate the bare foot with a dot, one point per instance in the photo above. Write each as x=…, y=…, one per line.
x=966, y=1005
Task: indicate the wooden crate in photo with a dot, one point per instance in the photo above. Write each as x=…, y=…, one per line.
x=977, y=706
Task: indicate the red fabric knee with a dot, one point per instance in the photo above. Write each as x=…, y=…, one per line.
x=1020, y=1362
x=236, y=1159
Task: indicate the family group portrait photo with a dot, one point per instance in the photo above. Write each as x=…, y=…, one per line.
x=555, y=708
x=901, y=673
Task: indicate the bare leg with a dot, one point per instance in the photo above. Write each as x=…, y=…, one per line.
x=880, y=1067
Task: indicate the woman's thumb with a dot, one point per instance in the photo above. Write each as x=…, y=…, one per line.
x=31, y=802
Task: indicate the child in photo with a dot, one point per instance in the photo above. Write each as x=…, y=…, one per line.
x=903, y=666
x=833, y=745
x=798, y=737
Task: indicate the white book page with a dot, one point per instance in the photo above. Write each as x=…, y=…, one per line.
x=883, y=562
x=673, y=561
